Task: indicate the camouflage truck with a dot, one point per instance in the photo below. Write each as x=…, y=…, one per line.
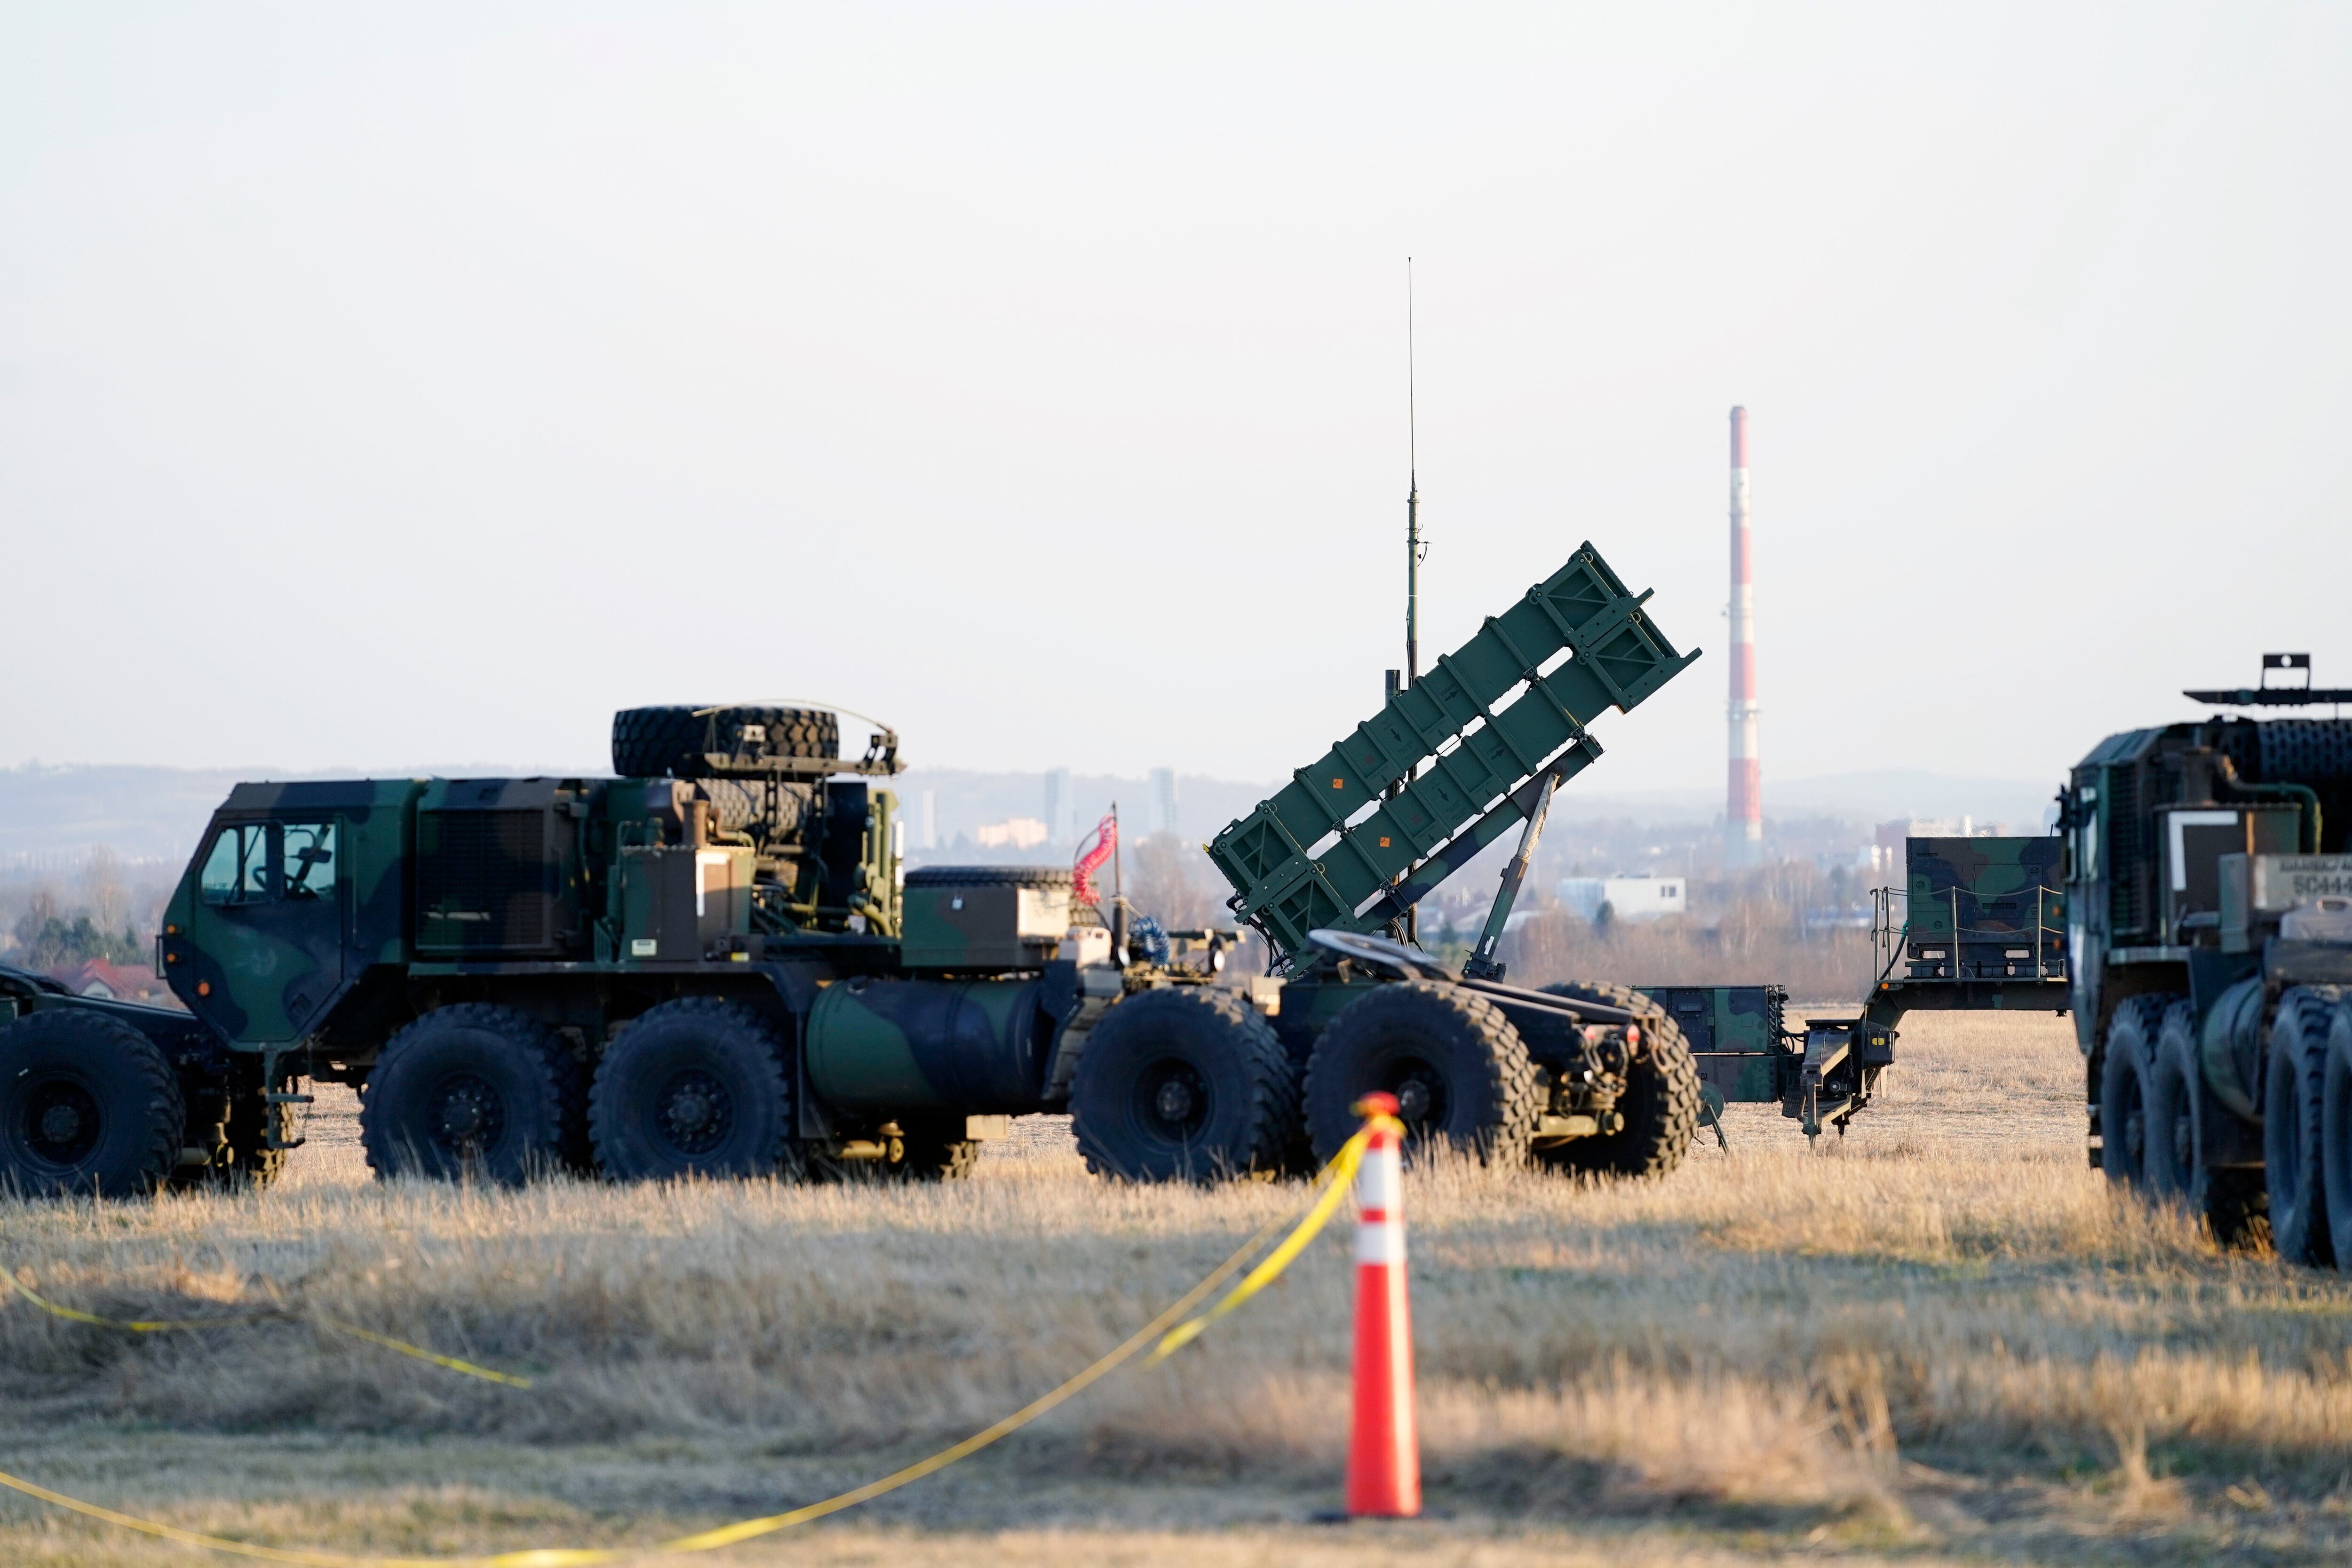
x=711, y=963
x=2210, y=923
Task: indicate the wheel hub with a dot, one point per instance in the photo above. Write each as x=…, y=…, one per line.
x=61, y=1123
x=1422, y=1104
x=468, y=1117
x=1172, y=1100
x=694, y=1112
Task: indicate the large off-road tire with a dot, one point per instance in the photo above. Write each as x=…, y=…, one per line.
x=2336, y=1133
x=2294, y=1088
x=1661, y=1102
x=2127, y=1065
x=671, y=741
x=87, y=1105
x=2169, y=1113
x=695, y=1088
x=1183, y=1083
x=770, y=808
x=470, y=1090
x=247, y=1159
x=1460, y=1072
x=2184, y=1123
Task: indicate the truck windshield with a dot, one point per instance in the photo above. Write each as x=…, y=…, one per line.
x=256, y=862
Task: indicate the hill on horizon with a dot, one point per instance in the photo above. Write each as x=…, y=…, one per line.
x=154, y=813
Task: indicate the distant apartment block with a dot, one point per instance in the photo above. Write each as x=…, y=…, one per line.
x=1018, y=833
x=1160, y=815
x=1061, y=807
x=1628, y=898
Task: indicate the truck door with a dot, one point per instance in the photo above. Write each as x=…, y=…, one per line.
x=266, y=932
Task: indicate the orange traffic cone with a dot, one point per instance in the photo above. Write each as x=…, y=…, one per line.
x=1384, y=1449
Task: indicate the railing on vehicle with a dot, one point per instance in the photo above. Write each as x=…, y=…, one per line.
x=1975, y=910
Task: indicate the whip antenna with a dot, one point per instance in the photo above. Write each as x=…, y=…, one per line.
x=1413, y=549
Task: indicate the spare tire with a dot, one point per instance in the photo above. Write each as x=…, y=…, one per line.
x=673, y=741
x=773, y=808
x=989, y=877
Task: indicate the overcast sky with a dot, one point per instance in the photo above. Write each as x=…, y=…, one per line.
x=391, y=383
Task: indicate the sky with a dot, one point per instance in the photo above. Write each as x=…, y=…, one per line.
x=388, y=383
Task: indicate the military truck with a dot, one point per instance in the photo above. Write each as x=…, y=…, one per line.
x=2210, y=918
x=711, y=963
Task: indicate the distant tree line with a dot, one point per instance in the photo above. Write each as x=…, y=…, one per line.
x=46, y=939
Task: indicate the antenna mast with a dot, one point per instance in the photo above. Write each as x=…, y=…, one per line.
x=1412, y=545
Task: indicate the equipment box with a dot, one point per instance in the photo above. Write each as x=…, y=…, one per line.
x=1984, y=908
x=983, y=917
x=1737, y=1037
x=680, y=904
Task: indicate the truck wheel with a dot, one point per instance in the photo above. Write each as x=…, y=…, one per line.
x=2336, y=1133
x=1185, y=1083
x=671, y=741
x=2182, y=1125
x=251, y=1162
x=2125, y=1073
x=1458, y=1070
x=694, y=1088
x=1661, y=1102
x=2293, y=1091
x=469, y=1091
x=87, y=1105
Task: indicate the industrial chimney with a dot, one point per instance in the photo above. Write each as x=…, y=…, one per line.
x=1743, y=813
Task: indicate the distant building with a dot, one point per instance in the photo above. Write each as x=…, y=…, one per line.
x=1019, y=832
x=107, y=981
x=1161, y=816
x=929, y=838
x=1061, y=807
x=1628, y=898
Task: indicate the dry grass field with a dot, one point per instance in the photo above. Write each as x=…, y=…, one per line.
x=1937, y=1340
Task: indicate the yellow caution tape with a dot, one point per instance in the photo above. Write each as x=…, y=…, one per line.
x=138, y=1326
x=272, y=1314
x=1336, y=1177
x=1333, y=1180
x=512, y=1380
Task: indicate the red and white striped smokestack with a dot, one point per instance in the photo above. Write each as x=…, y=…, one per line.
x=1743, y=818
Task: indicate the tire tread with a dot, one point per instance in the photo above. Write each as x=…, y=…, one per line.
x=540, y=1045
x=1656, y=1147
x=1510, y=1074
x=1273, y=1099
